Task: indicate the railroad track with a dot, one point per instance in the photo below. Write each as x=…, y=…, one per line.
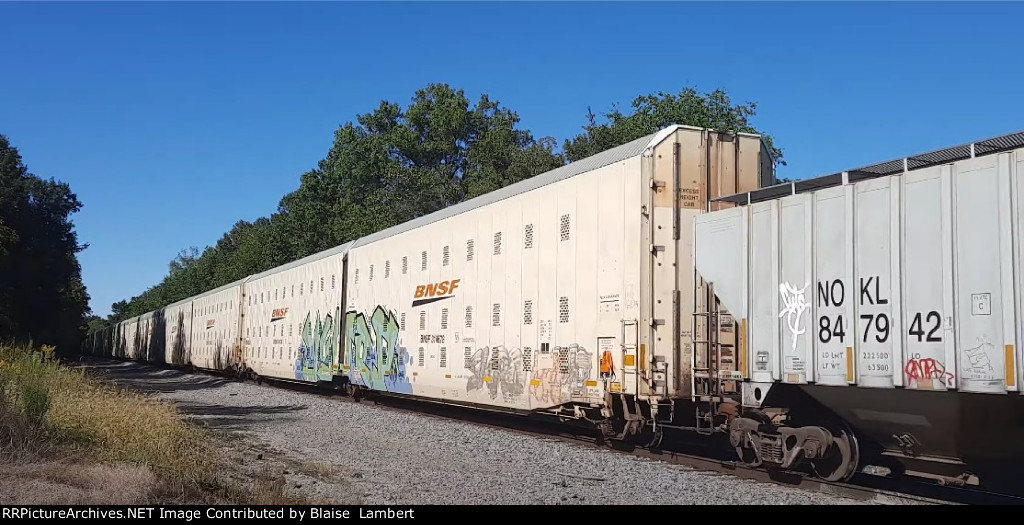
x=864, y=487
x=678, y=447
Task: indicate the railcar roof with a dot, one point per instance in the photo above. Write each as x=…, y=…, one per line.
x=342, y=249
x=605, y=158
x=608, y=157
x=976, y=148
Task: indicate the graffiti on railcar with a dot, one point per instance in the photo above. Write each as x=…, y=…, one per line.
x=553, y=380
x=375, y=353
x=501, y=369
x=927, y=373
x=317, y=347
x=978, y=365
x=795, y=306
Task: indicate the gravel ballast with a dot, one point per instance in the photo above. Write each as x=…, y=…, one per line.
x=397, y=457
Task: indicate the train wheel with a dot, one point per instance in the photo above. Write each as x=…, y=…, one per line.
x=745, y=447
x=605, y=433
x=840, y=462
x=657, y=435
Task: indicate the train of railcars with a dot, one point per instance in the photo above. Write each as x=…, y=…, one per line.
x=834, y=325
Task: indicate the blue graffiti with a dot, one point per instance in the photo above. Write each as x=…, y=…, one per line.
x=374, y=353
x=317, y=348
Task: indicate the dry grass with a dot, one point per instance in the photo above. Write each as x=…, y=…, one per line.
x=61, y=483
x=67, y=438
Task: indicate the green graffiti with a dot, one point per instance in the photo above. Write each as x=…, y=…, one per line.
x=318, y=348
x=377, y=360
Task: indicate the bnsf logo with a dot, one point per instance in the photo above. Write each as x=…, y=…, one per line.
x=278, y=314
x=428, y=293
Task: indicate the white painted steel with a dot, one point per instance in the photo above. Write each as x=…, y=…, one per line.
x=833, y=321
x=293, y=323
x=794, y=290
x=550, y=289
x=930, y=272
x=215, y=328
x=535, y=301
x=178, y=333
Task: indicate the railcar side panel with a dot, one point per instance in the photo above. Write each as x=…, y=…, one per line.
x=923, y=262
x=795, y=279
x=984, y=282
x=876, y=264
x=763, y=327
x=607, y=224
x=833, y=321
x=1017, y=184
x=506, y=300
x=928, y=280
x=178, y=333
x=293, y=324
x=131, y=341
x=215, y=329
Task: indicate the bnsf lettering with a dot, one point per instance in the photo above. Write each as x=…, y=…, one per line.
x=435, y=289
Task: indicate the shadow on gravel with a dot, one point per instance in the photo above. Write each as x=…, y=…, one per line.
x=148, y=378
x=220, y=417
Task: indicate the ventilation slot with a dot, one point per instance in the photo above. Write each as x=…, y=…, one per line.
x=423, y=261
x=527, y=359
x=469, y=317
x=468, y=357
x=497, y=243
x=387, y=269
x=564, y=231
x=469, y=250
x=421, y=357
x=444, y=257
x=401, y=321
x=371, y=273
x=528, y=312
x=444, y=319
x=528, y=236
x=563, y=310
x=494, y=358
x=444, y=357
x=405, y=265
x=496, y=315
x=563, y=360
x=423, y=321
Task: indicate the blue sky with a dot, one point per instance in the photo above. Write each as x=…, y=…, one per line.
x=172, y=121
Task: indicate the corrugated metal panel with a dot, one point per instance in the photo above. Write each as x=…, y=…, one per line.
x=977, y=148
x=913, y=282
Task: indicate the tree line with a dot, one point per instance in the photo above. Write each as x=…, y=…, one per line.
x=396, y=163
x=42, y=297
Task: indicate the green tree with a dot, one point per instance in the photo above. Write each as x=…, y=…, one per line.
x=656, y=111
x=42, y=297
x=387, y=167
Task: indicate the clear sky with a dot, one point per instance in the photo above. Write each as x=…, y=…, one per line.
x=171, y=121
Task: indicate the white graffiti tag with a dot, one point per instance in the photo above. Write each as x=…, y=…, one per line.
x=796, y=305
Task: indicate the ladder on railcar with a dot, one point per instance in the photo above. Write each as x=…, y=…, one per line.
x=713, y=354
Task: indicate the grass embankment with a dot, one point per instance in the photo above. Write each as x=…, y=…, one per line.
x=67, y=438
